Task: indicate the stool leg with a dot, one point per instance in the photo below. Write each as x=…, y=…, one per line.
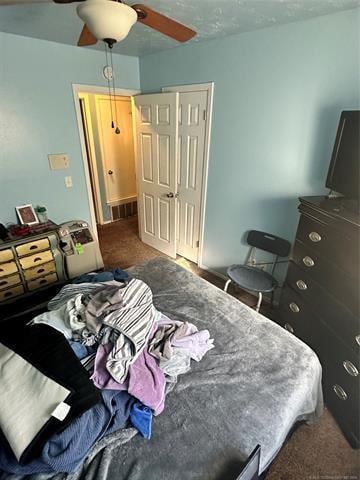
x=259, y=302
x=226, y=285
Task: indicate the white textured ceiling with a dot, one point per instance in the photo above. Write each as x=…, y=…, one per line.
x=210, y=18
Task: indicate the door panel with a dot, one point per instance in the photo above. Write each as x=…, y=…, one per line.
x=191, y=148
x=146, y=157
x=164, y=220
x=164, y=160
x=148, y=203
x=156, y=137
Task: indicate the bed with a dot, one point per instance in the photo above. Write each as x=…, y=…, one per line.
x=252, y=388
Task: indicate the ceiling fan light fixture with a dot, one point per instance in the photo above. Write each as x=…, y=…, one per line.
x=107, y=19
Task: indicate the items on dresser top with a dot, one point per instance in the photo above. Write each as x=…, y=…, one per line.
x=20, y=231
x=80, y=247
x=31, y=262
x=3, y=232
x=320, y=301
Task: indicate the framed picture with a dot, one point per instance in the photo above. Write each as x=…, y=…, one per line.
x=27, y=215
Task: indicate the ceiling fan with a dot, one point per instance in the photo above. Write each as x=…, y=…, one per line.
x=111, y=20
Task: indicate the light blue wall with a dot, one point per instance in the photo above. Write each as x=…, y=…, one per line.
x=37, y=117
x=278, y=96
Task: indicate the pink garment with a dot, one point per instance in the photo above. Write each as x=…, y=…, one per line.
x=182, y=337
x=145, y=380
x=101, y=377
x=195, y=344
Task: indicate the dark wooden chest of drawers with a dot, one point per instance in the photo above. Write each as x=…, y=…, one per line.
x=320, y=302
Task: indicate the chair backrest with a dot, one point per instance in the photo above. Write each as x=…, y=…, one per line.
x=268, y=242
x=250, y=470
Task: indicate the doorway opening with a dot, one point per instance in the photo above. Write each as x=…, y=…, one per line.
x=110, y=156
x=116, y=169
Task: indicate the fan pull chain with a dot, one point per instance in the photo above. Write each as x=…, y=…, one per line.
x=109, y=86
x=117, y=129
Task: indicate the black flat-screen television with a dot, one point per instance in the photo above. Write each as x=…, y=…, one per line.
x=344, y=174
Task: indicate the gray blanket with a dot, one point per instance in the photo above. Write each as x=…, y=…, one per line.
x=256, y=383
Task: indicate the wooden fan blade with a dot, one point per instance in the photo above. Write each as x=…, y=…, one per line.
x=21, y=2
x=86, y=37
x=163, y=24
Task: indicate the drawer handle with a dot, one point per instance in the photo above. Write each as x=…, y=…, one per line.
x=8, y=294
x=294, y=308
x=308, y=261
x=350, y=368
x=41, y=270
x=33, y=247
x=37, y=259
x=301, y=285
x=289, y=328
x=340, y=392
x=357, y=339
x=42, y=281
x=315, y=237
x=2, y=270
x=4, y=282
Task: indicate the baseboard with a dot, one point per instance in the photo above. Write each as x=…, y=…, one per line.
x=106, y=222
x=214, y=272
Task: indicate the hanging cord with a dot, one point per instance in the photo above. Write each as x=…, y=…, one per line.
x=109, y=85
x=117, y=129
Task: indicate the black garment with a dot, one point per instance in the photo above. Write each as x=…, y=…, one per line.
x=48, y=350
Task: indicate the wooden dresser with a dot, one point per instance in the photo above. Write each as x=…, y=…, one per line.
x=320, y=301
x=30, y=263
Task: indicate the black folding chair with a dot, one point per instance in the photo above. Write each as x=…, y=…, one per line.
x=250, y=277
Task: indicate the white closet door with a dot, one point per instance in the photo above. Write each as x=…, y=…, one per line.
x=191, y=145
x=156, y=141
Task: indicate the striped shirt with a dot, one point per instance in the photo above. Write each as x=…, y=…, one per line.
x=133, y=320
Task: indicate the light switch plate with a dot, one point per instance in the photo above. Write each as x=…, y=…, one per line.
x=58, y=161
x=68, y=182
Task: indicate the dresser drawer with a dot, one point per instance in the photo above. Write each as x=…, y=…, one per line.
x=344, y=372
x=6, y=255
x=6, y=282
x=36, y=259
x=7, y=269
x=334, y=314
x=32, y=247
x=40, y=271
x=336, y=281
x=41, y=282
x=344, y=407
x=341, y=365
x=11, y=292
x=296, y=317
x=329, y=243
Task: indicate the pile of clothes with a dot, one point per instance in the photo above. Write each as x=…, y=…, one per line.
x=132, y=354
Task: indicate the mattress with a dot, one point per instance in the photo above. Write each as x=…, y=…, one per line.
x=251, y=389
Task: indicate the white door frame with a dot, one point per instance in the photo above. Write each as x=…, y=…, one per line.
x=209, y=88
x=78, y=88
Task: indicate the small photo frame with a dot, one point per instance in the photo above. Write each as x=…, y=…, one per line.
x=27, y=215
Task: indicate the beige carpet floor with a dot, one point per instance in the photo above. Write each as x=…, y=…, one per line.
x=314, y=452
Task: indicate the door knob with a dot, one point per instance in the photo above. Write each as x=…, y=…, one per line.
x=110, y=172
x=170, y=195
